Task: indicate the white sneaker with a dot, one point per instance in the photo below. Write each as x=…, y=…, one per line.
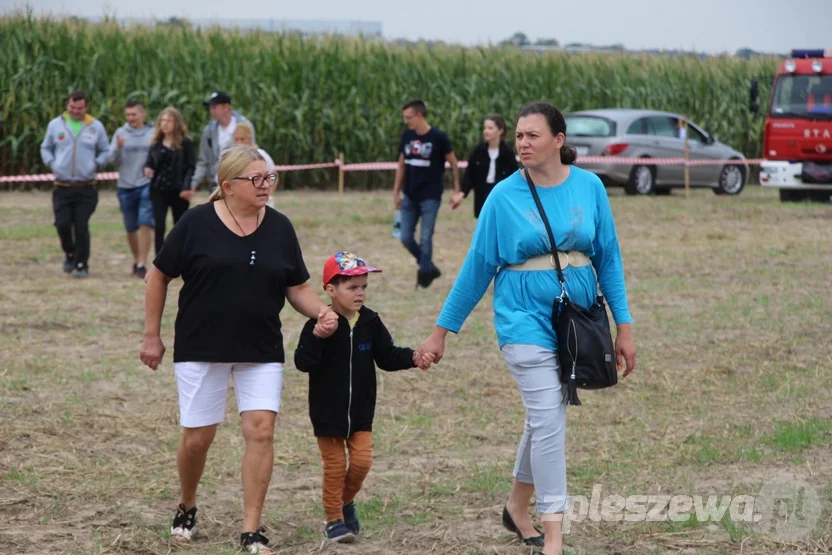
x=184, y=524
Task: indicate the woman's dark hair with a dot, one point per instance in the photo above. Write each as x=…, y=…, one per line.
x=557, y=124
x=499, y=122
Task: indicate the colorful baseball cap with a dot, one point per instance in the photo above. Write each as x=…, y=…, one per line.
x=345, y=264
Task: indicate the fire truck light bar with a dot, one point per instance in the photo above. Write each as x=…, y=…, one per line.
x=812, y=53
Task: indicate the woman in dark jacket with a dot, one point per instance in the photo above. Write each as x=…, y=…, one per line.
x=170, y=166
x=491, y=162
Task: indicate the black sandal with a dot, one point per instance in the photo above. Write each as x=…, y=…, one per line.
x=508, y=524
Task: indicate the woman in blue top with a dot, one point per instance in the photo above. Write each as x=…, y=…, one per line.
x=515, y=254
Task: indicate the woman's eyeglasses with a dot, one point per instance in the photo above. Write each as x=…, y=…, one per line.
x=260, y=181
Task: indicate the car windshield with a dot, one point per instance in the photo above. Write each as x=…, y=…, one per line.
x=803, y=96
x=589, y=126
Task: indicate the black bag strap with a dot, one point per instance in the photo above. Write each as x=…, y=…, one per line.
x=548, y=228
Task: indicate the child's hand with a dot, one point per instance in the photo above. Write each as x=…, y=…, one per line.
x=424, y=361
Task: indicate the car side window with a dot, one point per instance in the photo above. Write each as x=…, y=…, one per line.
x=638, y=127
x=662, y=126
x=695, y=136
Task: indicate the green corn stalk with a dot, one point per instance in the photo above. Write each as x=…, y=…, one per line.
x=313, y=98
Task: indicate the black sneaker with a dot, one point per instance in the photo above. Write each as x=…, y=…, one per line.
x=81, y=271
x=424, y=279
x=68, y=265
x=255, y=542
x=139, y=271
x=338, y=532
x=351, y=519
x=435, y=273
x=184, y=523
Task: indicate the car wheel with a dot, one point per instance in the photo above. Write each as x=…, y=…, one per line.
x=731, y=180
x=642, y=181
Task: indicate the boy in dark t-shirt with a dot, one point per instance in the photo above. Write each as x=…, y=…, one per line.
x=423, y=151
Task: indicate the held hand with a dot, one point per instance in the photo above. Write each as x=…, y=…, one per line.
x=152, y=352
x=148, y=173
x=433, y=345
x=456, y=199
x=625, y=350
x=327, y=323
x=120, y=140
x=423, y=361
x=187, y=194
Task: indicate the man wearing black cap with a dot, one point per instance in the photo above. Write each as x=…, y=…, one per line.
x=216, y=137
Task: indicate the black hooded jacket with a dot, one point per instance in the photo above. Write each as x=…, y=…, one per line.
x=342, y=372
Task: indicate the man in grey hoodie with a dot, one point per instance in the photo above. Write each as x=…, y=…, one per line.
x=75, y=149
x=217, y=136
x=129, y=149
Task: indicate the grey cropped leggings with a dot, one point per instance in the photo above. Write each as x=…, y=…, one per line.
x=541, y=455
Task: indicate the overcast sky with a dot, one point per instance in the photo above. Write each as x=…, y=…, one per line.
x=702, y=25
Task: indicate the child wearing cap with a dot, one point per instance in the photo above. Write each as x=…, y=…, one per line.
x=342, y=387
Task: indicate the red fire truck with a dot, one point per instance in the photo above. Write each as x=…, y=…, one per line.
x=797, y=137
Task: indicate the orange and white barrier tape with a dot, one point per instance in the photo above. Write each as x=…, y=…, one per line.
x=108, y=176
x=661, y=161
x=300, y=167
x=387, y=166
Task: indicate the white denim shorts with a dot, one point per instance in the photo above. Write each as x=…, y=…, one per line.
x=203, y=389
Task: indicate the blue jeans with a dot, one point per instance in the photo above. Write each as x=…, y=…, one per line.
x=135, y=207
x=411, y=211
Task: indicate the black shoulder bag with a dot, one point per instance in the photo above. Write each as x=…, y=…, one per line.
x=585, y=347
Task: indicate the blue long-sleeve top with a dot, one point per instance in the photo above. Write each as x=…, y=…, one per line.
x=510, y=231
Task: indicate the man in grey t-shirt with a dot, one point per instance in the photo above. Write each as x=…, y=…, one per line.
x=129, y=149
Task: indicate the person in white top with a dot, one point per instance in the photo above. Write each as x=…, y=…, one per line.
x=226, y=133
x=490, y=162
x=217, y=136
x=244, y=135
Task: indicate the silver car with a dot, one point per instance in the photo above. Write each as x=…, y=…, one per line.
x=627, y=133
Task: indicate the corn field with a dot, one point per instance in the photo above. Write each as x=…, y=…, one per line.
x=311, y=99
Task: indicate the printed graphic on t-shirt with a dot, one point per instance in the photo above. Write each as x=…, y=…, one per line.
x=420, y=149
x=576, y=222
x=571, y=238
x=424, y=160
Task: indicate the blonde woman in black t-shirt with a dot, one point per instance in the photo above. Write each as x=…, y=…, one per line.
x=240, y=261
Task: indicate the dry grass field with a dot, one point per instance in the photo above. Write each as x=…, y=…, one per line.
x=731, y=298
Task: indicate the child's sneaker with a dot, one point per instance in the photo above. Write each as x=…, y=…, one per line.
x=338, y=532
x=255, y=542
x=184, y=523
x=351, y=519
